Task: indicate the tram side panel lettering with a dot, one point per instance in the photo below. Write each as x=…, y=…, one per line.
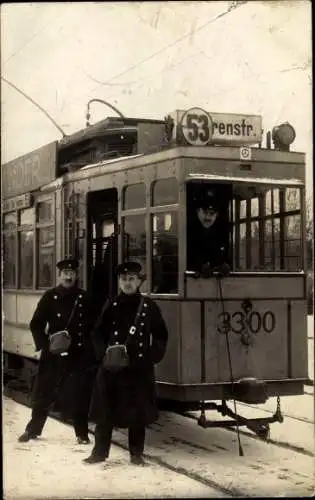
x=30, y=171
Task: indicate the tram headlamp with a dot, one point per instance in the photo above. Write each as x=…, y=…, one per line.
x=283, y=136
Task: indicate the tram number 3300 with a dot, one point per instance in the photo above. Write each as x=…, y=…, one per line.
x=238, y=322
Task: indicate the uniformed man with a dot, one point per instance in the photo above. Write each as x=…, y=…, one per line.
x=126, y=398
x=51, y=315
x=207, y=233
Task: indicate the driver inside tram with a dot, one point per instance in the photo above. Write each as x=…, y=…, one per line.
x=208, y=230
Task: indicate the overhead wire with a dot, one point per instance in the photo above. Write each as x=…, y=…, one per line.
x=233, y=6
x=22, y=47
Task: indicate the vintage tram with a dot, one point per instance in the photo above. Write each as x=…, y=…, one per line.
x=121, y=189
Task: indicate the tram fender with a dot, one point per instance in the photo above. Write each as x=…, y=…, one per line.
x=250, y=390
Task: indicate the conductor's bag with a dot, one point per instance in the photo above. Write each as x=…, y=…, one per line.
x=59, y=342
x=116, y=358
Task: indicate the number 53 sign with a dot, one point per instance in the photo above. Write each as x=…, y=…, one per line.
x=196, y=126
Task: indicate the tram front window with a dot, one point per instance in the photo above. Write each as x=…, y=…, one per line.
x=207, y=226
x=266, y=228
x=248, y=227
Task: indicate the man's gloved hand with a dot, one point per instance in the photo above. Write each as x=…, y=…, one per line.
x=222, y=269
x=206, y=270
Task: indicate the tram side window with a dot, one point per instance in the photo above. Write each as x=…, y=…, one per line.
x=165, y=192
x=164, y=230
x=46, y=244
x=9, y=250
x=165, y=253
x=267, y=230
x=134, y=241
x=26, y=247
x=134, y=196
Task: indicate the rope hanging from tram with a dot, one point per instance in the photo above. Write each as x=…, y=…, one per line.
x=227, y=338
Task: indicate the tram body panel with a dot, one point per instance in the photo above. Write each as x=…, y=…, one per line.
x=18, y=309
x=18, y=340
x=169, y=369
x=190, y=342
x=253, y=286
x=255, y=351
x=298, y=344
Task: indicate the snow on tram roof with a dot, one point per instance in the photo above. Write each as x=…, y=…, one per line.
x=113, y=160
x=252, y=180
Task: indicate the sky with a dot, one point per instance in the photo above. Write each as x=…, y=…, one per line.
x=151, y=58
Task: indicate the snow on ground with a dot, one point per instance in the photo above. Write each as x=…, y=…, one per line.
x=51, y=467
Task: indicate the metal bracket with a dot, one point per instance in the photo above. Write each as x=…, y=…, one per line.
x=260, y=426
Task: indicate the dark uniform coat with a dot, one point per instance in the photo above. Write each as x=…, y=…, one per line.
x=127, y=398
x=51, y=315
x=205, y=246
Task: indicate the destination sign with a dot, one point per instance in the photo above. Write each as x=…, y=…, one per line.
x=198, y=127
x=29, y=172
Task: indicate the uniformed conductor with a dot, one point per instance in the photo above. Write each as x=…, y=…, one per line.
x=51, y=315
x=207, y=231
x=126, y=398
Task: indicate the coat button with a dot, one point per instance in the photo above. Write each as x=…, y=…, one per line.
x=80, y=305
x=145, y=305
x=80, y=296
x=116, y=343
x=140, y=333
x=115, y=333
x=140, y=355
x=58, y=314
x=55, y=297
x=80, y=324
x=142, y=324
x=143, y=314
x=140, y=344
x=79, y=344
x=114, y=303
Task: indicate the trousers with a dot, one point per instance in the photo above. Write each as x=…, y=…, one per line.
x=103, y=438
x=50, y=377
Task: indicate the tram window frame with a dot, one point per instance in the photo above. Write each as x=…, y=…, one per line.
x=42, y=225
x=28, y=227
x=126, y=216
x=159, y=236
x=8, y=232
x=132, y=203
x=163, y=208
x=279, y=260
x=164, y=202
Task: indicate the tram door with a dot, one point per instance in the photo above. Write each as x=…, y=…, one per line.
x=103, y=245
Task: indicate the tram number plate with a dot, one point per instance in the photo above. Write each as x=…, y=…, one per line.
x=238, y=322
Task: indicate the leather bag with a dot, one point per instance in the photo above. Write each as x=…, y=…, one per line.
x=116, y=356
x=59, y=342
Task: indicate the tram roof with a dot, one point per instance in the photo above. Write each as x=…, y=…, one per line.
x=111, y=125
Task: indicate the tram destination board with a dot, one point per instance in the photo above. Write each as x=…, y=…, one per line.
x=29, y=172
x=198, y=127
